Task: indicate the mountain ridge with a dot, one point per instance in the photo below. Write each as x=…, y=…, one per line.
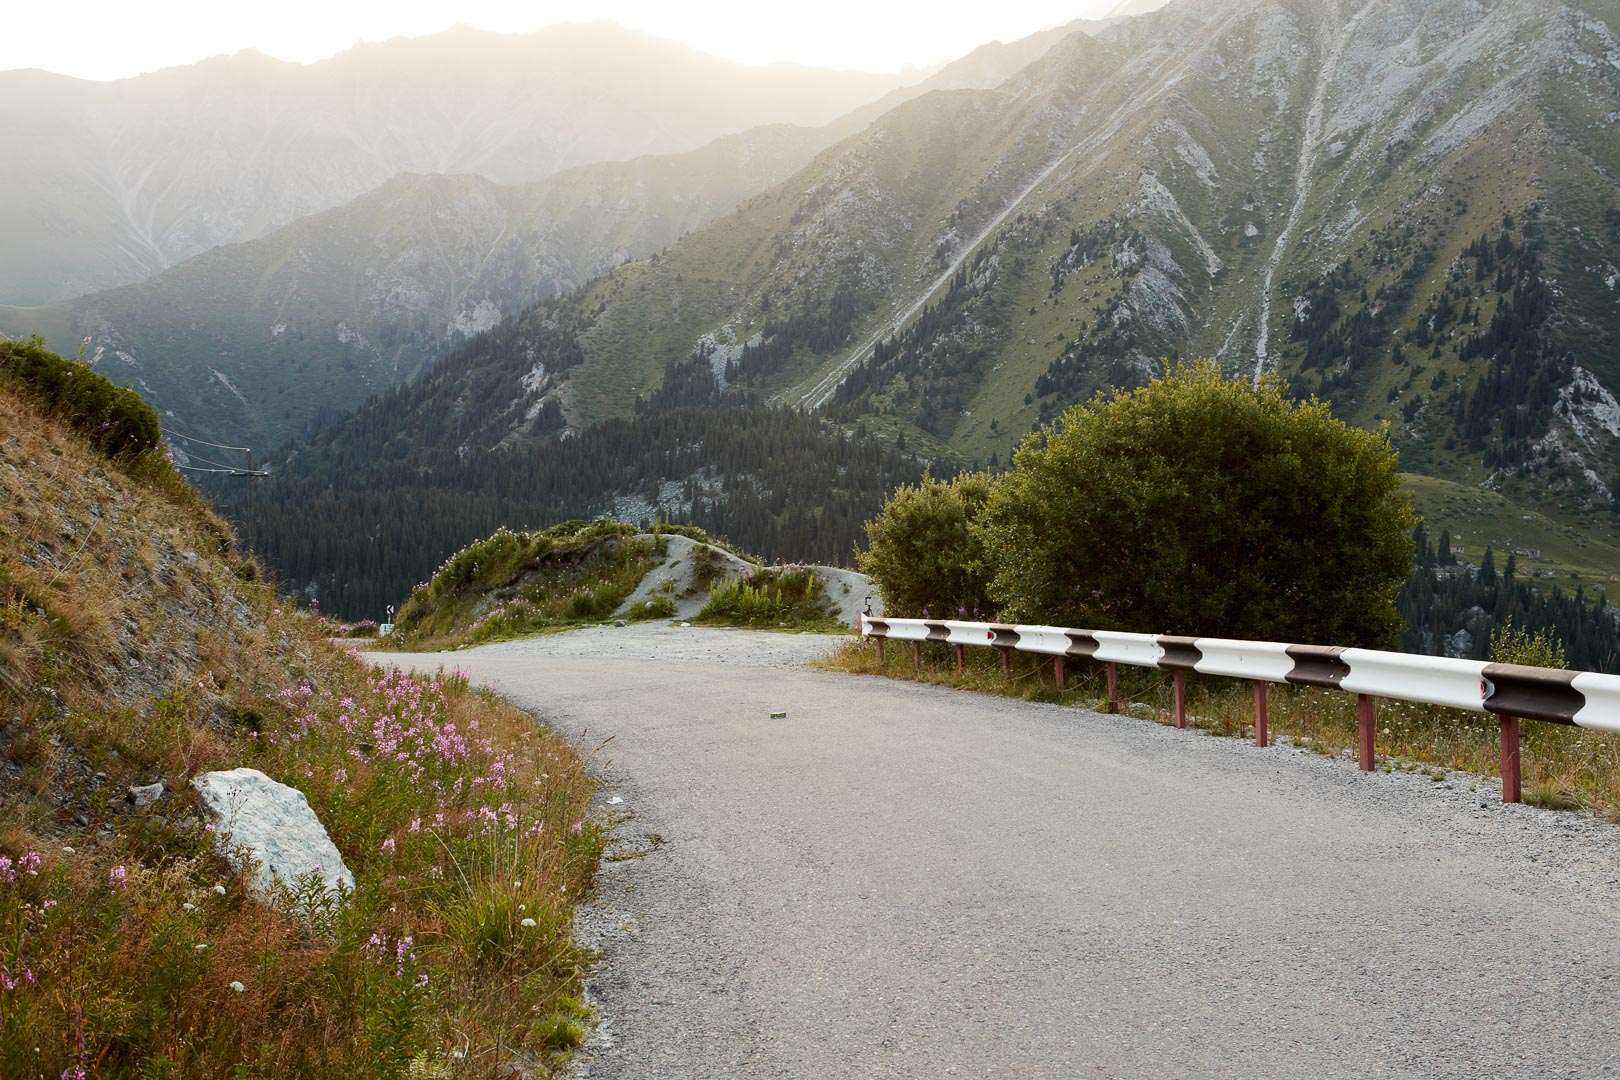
x=125, y=179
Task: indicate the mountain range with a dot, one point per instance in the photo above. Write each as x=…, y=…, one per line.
x=268, y=339
x=126, y=178
x=1405, y=207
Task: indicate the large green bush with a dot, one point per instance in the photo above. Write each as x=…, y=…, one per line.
x=1206, y=506
x=922, y=554
x=113, y=418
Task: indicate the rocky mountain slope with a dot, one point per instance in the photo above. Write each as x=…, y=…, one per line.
x=1405, y=207
x=113, y=182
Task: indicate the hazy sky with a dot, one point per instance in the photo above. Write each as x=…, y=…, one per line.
x=107, y=39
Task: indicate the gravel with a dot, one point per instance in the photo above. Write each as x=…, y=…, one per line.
x=900, y=880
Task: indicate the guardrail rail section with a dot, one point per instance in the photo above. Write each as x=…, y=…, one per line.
x=1509, y=691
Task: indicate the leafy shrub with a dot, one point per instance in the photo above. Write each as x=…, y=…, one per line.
x=1515, y=645
x=774, y=596
x=1207, y=506
x=661, y=606
x=921, y=552
x=708, y=566
x=112, y=418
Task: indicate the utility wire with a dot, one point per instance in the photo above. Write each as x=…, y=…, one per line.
x=204, y=442
x=208, y=461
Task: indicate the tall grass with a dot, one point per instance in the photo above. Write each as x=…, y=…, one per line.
x=1563, y=767
x=136, y=951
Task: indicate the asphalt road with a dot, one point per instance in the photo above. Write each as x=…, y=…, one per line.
x=907, y=881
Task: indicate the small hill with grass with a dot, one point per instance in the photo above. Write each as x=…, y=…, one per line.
x=139, y=649
x=579, y=573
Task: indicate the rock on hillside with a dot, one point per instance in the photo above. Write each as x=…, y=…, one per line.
x=686, y=573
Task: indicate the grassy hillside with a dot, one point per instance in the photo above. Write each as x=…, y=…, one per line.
x=1569, y=555
x=137, y=647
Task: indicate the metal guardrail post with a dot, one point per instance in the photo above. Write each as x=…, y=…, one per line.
x=1006, y=661
x=1510, y=759
x=1113, y=686
x=1181, y=698
x=1260, y=737
x=1059, y=673
x=961, y=659
x=916, y=656
x=1367, y=718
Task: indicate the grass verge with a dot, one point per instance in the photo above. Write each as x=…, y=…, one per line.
x=1563, y=768
x=133, y=948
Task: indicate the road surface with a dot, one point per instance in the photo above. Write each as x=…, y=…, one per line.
x=907, y=881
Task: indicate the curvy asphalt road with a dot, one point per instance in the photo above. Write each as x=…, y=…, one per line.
x=907, y=881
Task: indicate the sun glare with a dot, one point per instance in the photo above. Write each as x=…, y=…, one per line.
x=97, y=39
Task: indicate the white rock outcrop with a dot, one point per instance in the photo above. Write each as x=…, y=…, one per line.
x=271, y=824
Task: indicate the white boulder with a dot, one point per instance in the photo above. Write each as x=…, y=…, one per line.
x=271, y=824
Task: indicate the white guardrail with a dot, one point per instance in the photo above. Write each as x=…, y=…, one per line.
x=1509, y=691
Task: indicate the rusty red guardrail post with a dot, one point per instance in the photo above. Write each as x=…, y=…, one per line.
x=1059, y=672
x=1006, y=661
x=961, y=658
x=1260, y=712
x=1510, y=759
x=1181, y=698
x=916, y=655
x=1367, y=717
x=1113, y=686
